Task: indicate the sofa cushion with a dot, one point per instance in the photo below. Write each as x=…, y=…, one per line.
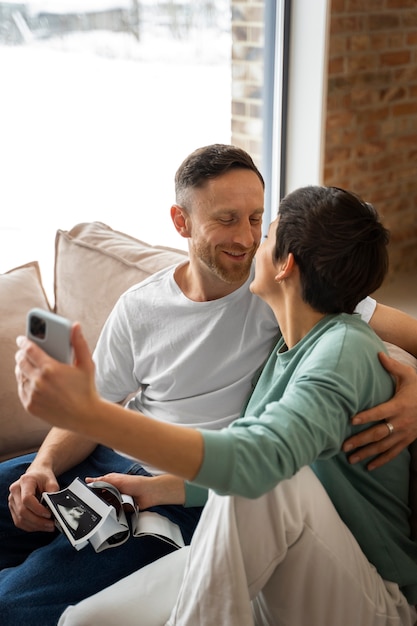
x=94, y=265
x=20, y=290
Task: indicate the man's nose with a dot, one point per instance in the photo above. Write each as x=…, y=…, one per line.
x=244, y=234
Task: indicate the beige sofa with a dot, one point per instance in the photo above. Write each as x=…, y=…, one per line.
x=94, y=264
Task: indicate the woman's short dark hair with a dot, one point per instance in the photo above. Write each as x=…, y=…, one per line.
x=339, y=244
x=210, y=162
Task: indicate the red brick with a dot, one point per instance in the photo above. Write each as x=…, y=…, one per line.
x=383, y=21
x=338, y=6
x=346, y=24
x=401, y=4
x=364, y=6
x=362, y=62
x=397, y=92
x=340, y=118
x=336, y=65
x=401, y=57
x=388, y=41
x=409, y=19
x=408, y=108
x=411, y=39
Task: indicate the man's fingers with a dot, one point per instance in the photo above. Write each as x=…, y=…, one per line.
x=405, y=376
x=376, y=414
x=391, y=365
x=372, y=435
x=378, y=453
x=396, y=368
x=396, y=423
x=28, y=513
x=380, y=444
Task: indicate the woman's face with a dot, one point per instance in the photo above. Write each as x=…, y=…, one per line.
x=264, y=284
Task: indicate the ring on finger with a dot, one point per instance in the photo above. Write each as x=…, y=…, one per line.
x=390, y=428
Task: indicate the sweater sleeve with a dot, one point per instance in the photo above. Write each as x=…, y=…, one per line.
x=195, y=495
x=304, y=415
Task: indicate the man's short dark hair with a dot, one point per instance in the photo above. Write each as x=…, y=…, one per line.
x=339, y=244
x=208, y=163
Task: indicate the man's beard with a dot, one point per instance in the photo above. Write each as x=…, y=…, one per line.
x=226, y=272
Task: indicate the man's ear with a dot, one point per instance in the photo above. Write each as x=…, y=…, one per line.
x=286, y=268
x=180, y=220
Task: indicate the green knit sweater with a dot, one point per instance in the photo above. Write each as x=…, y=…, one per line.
x=299, y=414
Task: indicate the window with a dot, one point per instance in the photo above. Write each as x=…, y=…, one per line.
x=294, y=96
x=101, y=101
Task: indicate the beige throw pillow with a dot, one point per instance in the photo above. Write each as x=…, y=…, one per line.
x=20, y=290
x=94, y=265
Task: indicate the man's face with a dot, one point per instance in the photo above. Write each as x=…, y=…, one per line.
x=225, y=223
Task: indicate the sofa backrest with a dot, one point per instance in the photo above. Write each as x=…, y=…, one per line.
x=94, y=265
x=20, y=290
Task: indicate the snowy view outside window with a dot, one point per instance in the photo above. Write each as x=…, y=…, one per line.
x=100, y=103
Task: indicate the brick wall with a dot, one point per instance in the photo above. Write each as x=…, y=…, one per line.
x=247, y=75
x=371, y=121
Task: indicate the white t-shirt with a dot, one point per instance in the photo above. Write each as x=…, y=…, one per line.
x=186, y=362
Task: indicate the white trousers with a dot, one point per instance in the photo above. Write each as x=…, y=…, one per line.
x=285, y=558
x=291, y=554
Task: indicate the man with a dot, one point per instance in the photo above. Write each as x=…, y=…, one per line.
x=191, y=339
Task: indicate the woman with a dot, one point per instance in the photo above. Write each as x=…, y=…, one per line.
x=322, y=540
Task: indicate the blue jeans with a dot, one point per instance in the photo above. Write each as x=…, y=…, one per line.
x=41, y=573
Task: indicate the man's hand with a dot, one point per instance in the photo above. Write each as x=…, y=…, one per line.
x=400, y=412
x=147, y=491
x=27, y=512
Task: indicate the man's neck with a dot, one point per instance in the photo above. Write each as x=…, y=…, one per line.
x=201, y=287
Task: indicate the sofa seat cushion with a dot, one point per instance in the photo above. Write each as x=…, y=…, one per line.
x=20, y=290
x=94, y=265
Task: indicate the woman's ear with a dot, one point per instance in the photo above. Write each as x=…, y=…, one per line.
x=180, y=220
x=286, y=268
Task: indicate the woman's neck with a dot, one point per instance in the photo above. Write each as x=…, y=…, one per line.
x=295, y=318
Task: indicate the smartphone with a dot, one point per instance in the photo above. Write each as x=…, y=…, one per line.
x=51, y=332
